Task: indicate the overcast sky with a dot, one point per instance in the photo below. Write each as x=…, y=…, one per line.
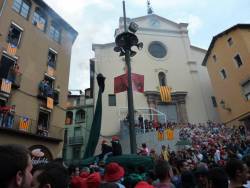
x=96, y=20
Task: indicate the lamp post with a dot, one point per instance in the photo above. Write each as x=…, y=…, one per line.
x=124, y=42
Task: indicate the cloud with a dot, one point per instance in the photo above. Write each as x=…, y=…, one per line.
x=195, y=24
x=84, y=16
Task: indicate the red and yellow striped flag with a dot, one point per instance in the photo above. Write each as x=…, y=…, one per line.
x=165, y=93
x=160, y=135
x=50, y=103
x=11, y=49
x=170, y=134
x=24, y=124
x=6, y=86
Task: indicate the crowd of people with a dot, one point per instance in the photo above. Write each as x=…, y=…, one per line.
x=218, y=157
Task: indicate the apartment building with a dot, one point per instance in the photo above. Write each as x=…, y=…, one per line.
x=79, y=117
x=228, y=64
x=35, y=55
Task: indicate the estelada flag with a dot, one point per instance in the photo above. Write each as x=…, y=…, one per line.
x=121, y=83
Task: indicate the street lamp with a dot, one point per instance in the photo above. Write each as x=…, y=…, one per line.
x=124, y=42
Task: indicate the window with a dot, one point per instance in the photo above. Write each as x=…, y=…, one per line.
x=246, y=89
x=52, y=57
x=214, y=102
x=162, y=79
x=112, y=100
x=223, y=74
x=238, y=60
x=43, y=120
x=6, y=64
x=214, y=58
x=80, y=116
x=39, y=19
x=76, y=152
x=65, y=136
x=46, y=87
x=157, y=49
x=230, y=41
x=55, y=33
x=69, y=118
x=22, y=7
x=78, y=102
x=14, y=35
x=77, y=131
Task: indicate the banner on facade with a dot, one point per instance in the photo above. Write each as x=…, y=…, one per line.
x=6, y=86
x=11, y=49
x=165, y=93
x=160, y=135
x=121, y=83
x=50, y=103
x=24, y=124
x=170, y=134
x=50, y=71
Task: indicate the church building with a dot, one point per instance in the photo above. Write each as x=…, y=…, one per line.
x=166, y=59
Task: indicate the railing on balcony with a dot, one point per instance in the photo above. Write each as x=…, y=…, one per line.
x=75, y=140
x=26, y=125
x=11, y=82
x=46, y=91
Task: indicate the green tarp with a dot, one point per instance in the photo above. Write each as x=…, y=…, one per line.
x=127, y=161
x=97, y=120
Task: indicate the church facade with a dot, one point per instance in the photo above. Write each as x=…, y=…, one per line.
x=167, y=58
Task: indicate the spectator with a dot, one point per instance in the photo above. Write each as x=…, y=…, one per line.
x=237, y=172
x=52, y=175
x=116, y=146
x=15, y=167
x=163, y=171
x=113, y=174
x=217, y=178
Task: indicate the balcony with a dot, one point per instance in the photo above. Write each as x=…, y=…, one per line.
x=14, y=124
x=78, y=140
x=6, y=85
x=46, y=91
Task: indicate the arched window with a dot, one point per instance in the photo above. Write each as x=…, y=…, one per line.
x=69, y=118
x=22, y=7
x=80, y=116
x=39, y=19
x=162, y=79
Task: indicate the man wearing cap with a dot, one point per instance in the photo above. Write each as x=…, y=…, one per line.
x=113, y=175
x=106, y=150
x=116, y=146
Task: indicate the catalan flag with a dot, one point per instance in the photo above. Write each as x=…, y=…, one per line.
x=170, y=134
x=160, y=135
x=11, y=49
x=165, y=93
x=24, y=124
x=6, y=86
x=50, y=103
x=50, y=71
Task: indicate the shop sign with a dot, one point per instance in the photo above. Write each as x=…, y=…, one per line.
x=40, y=154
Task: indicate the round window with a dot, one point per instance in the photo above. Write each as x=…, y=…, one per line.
x=157, y=49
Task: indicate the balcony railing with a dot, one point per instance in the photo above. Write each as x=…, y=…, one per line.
x=54, y=94
x=24, y=125
x=7, y=84
x=75, y=140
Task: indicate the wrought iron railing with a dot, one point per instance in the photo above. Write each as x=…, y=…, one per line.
x=26, y=125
